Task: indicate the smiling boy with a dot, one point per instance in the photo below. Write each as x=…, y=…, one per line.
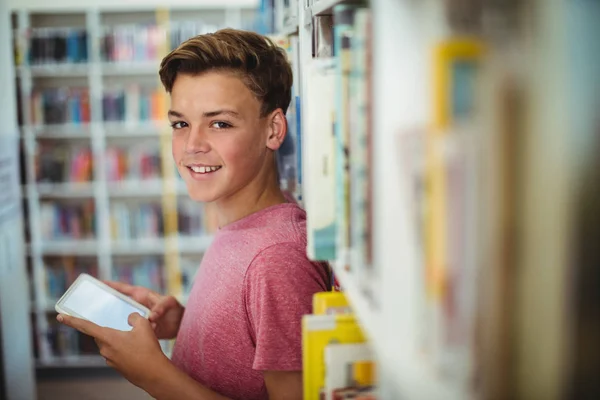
x=239, y=335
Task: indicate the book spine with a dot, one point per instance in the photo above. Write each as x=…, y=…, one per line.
x=343, y=29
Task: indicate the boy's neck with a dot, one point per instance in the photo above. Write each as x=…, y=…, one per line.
x=248, y=201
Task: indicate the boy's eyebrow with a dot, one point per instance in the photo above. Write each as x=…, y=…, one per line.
x=208, y=114
x=175, y=114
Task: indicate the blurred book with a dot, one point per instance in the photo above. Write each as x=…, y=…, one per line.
x=56, y=164
x=190, y=217
x=319, y=331
x=58, y=45
x=60, y=221
x=62, y=272
x=138, y=162
x=60, y=106
x=133, y=104
x=349, y=371
x=146, y=272
x=139, y=220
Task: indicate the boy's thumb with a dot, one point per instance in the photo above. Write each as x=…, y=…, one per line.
x=135, y=319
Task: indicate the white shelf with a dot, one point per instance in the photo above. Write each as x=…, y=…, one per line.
x=291, y=28
x=84, y=247
x=80, y=361
x=124, y=247
x=62, y=131
x=135, y=129
x=360, y=303
x=324, y=7
x=148, y=188
x=65, y=190
x=131, y=68
x=194, y=244
x=55, y=70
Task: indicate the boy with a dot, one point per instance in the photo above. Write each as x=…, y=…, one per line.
x=240, y=334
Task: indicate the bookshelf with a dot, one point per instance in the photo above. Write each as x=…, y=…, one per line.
x=461, y=128
x=91, y=163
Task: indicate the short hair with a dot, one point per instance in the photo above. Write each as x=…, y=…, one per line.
x=262, y=65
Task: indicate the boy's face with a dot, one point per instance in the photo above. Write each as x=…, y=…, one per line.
x=219, y=139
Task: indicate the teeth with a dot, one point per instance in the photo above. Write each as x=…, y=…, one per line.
x=204, y=170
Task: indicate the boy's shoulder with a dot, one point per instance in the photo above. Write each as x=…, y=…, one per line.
x=281, y=227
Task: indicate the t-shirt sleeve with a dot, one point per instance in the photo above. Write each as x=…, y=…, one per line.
x=279, y=286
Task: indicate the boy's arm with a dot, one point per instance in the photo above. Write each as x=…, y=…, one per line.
x=283, y=385
x=175, y=384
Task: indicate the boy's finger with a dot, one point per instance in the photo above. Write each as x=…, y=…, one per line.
x=83, y=326
x=121, y=287
x=162, y=306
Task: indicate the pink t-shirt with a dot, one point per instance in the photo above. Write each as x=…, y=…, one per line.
x=245, y=309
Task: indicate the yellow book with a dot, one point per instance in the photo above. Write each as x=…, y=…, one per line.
x=330, y=303
x=317, y=332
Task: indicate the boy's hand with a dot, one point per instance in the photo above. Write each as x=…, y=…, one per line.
x=165, y=311
x=135, y=354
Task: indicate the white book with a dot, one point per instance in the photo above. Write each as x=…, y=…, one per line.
x=318, y=159
x=338, y=364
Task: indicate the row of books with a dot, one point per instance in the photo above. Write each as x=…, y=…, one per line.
x=133, y=104
x=139, y=162
x=147, y=272
x=135, y=43
x=190, y=217
x=61, y=273
x=136, y=221
x=58, y=45
x=56, y=164
x=67, y=342
x=338, y=142
x=67, y=221
x=338, y=362
x=60, y=105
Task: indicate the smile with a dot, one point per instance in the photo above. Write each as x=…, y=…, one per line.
x=204, y=169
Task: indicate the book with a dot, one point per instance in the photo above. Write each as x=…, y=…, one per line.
x=132, y=221
x=63, y=164
x=146, y=272
x=349, y=370
x=343, y=32
x=61, y=221
x=133, y=104
x=60, y=106
x=320, y=199
x=360, y=143
x=61, y=272
x=318, y=331
x=190, y=217
x=58, y=45
x=330, y=303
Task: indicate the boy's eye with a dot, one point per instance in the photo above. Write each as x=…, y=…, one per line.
x=220, y=125
x=178, y=125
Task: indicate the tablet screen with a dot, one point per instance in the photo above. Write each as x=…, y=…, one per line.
x=100, y=307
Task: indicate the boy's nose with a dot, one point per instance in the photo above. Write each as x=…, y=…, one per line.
x=197, y=142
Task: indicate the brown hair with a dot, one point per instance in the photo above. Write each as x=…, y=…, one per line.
x=261, y=65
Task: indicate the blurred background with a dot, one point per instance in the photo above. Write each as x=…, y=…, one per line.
x=446, y=152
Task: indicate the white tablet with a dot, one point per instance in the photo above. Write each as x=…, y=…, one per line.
x=91, y=299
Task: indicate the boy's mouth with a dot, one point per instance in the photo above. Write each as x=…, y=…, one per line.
x=204, y=169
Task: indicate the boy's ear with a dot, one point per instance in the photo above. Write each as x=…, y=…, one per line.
x=277, y=129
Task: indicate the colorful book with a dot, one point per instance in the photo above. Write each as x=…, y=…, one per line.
x=319, y=331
